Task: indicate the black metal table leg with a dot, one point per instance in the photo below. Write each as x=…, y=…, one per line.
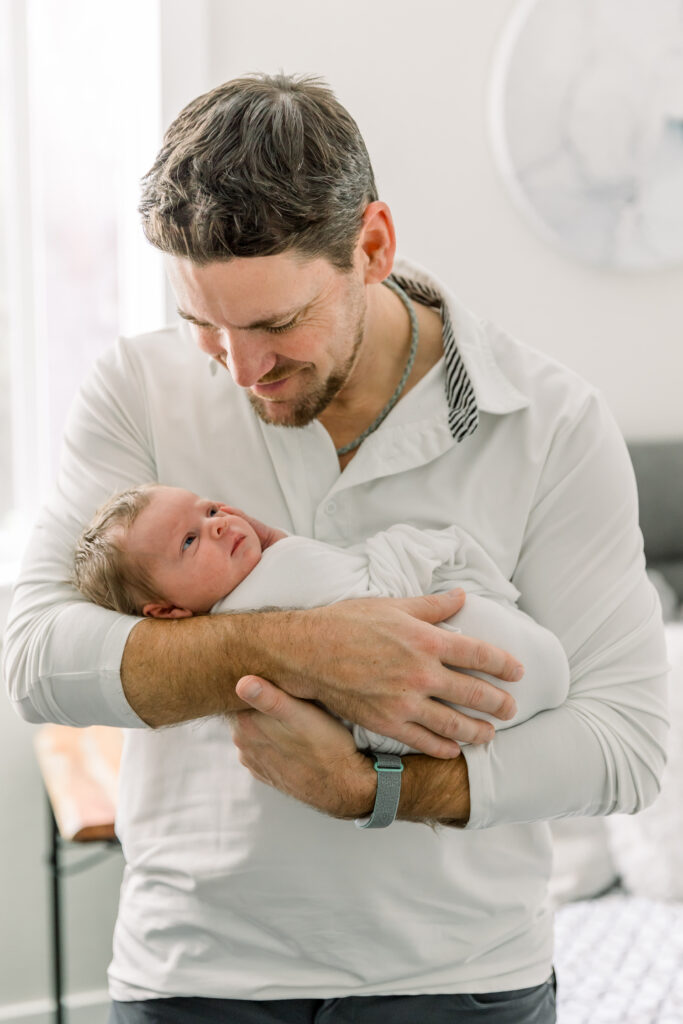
x=57, y=964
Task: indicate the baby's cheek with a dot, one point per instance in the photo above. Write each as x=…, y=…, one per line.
x=252, y=561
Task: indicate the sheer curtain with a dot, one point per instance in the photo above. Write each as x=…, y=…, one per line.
x=80, y=122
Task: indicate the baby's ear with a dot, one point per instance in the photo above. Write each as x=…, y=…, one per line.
x=165, y=611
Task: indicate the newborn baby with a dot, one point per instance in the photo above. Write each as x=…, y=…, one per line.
x=167, y=553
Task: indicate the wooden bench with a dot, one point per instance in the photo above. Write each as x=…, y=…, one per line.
x=80, y=769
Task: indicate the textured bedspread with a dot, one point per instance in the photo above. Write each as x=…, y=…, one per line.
x=619, y=960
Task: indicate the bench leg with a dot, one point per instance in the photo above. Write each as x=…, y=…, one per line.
x=57, y=965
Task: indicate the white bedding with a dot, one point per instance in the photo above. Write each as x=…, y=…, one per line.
x=619, y=956
x=647, y=848
x=619, y=960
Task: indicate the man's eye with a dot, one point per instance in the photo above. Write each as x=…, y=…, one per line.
x=188, y=540
x=283, y=327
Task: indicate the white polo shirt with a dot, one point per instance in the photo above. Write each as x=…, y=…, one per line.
x=232, y=889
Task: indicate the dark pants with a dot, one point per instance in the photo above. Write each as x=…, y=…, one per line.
x=523, y=1006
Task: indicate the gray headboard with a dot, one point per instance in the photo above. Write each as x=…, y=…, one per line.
x=658, y=467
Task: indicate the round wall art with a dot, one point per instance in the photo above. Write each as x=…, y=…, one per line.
x=587, y=126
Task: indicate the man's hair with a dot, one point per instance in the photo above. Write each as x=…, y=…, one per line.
x=102, y=570
x=258, y=166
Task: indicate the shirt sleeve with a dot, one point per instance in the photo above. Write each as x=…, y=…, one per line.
x=62, y=654
x=581, y=573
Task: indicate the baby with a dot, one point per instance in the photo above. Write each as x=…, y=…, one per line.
x=167, y=553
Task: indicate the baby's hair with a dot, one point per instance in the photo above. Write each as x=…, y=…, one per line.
x=102, y=571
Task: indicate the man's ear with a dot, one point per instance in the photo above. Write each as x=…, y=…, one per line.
x=377, y=242
x=165, y=611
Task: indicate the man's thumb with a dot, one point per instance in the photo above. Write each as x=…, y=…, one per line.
x=264, y=696
x=249, y=688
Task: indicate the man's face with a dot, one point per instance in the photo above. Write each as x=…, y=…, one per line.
x=196, y=551
x=288, y=330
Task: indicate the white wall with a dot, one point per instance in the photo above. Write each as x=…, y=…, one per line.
x=416, y=77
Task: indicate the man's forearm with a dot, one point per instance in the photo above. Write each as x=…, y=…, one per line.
x=435, y=791
x=174, y=671
x=375, y=661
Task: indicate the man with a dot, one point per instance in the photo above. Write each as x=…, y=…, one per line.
x=347, y=405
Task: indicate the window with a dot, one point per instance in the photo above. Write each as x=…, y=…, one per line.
x=5, y=408
x=80, y=122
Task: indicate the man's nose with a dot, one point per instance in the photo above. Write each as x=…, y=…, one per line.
x=246, y=357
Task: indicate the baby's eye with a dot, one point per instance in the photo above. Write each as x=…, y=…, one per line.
x=213, y=511
x=188, y=540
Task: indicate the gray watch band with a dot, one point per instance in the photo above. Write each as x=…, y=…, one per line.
x=388, y=768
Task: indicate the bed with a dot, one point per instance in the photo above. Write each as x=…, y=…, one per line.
x=617, y=882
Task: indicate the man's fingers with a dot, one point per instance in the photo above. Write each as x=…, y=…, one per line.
x=465, y=653
x=460, y=651
x=434, y=607
x=455, y=686
x=416, y=736
x=456, y=723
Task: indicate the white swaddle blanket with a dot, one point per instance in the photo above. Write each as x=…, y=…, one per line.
x=299, y=572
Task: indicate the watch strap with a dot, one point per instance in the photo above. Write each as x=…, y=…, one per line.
x=388, y=768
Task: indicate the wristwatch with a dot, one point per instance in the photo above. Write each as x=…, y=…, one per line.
x=388, y=768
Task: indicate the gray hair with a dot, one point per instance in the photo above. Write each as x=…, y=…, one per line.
x=258, y=166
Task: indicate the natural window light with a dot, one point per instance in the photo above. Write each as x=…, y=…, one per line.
x=80, y=123
x=5, y=409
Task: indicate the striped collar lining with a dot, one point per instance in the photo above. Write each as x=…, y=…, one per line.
x=463, y=414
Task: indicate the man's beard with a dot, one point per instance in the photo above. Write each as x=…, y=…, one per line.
x=310, y=405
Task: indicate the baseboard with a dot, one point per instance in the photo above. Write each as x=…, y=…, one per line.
x=80, y=1008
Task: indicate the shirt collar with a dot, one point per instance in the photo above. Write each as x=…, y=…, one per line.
x=474, y=381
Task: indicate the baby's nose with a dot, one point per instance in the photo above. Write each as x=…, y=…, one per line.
x=218, y=525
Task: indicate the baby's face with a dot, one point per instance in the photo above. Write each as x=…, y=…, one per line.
x=195, y=550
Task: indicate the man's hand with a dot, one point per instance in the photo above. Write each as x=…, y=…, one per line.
x=375, y=661
x=380, y=661
x=301, y=750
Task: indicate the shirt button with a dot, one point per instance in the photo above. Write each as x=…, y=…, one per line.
x=331, y=508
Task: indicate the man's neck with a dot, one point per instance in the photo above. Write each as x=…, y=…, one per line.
x=381, y=363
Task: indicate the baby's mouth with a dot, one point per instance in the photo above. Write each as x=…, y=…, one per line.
x=236, y=545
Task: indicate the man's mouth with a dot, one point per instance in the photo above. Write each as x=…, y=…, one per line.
x=271, y=387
